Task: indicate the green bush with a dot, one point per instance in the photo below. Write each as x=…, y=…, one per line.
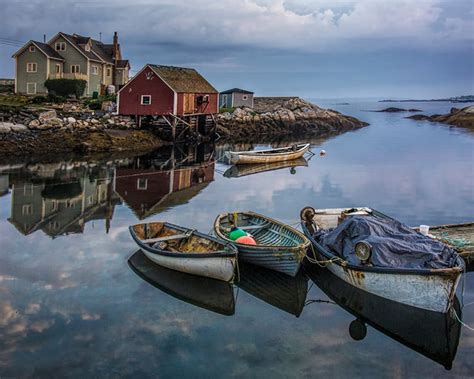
x=66, y=87
x=39, y=100
x=94, y=104
x=52, y=98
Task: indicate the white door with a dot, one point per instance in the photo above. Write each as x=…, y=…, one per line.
x=31, y=88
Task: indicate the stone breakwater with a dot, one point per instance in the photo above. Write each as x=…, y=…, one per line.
x=283, y=117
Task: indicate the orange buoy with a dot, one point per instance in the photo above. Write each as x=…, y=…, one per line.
x=246, y=240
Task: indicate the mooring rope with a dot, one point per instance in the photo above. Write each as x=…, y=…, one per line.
x=461, y=322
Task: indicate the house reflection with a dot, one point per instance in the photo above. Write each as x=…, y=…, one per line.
x=60, y=200
x=170, y=176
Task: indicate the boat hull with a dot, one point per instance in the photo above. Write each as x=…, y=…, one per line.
x=254, y=157
x=220, y=268
x=283, y=261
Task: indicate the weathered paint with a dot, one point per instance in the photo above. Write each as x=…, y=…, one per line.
x=146, y=82
x=207, y=108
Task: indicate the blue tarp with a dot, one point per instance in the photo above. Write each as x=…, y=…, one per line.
x=393, y=244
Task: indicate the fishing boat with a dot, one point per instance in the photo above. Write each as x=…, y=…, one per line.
x=237, y=171
x=268, y=155
x=460, y=237
x=386, y=258
x=210, y=294
x=186, y=250
x=278, y=246
x=279, y=290
x=432, y=334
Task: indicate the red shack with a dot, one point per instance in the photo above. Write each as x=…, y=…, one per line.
x=176, y=95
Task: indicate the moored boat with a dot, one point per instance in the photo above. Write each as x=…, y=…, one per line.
x=186, y=250
x=405, y=266
x=268, y=155
x=211, y=294
x=278, y=246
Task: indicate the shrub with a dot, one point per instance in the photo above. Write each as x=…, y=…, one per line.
x=95, y=104
x=39, y=100
x=66, y=87
x=52, y=98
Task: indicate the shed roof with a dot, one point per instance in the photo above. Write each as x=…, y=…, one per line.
x=184, y=80
x=236, y=90
x=123, y=63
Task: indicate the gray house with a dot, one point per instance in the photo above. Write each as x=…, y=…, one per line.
x=68, y=56
x=235, y=97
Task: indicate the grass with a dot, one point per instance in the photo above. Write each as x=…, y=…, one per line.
x=13, y=100
x=224, y=110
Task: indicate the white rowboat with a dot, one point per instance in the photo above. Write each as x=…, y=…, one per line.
x=267, y=156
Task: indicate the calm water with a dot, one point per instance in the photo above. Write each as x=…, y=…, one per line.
x=74, y=302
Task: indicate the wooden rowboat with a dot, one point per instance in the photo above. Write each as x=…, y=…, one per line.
x=268, y=156
x=186, y=250
x=431, y=289
x=211, y=294
x=238, y=171
x=432, y=334
x=279, y=247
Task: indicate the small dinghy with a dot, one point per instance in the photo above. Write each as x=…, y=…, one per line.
x=382, y=256
x=277, y=246
x=267, y=156
x=185, y=250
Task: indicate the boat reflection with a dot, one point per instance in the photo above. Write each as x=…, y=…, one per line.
x=433, y=334
x=282, y=291
x=237, y=171
x=210, y=294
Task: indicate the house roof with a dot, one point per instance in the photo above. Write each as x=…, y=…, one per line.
x=182, y=79
x=236, y=90
x=77, y=41
x=123, y=63
x=44, y=48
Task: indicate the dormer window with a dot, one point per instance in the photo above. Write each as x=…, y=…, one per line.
x=60, y=46
x=31, y=49
x=87, y=48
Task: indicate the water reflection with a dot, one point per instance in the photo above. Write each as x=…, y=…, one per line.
x=207, y=293
x=244, y=170
x=435, y=335
x=60, y=198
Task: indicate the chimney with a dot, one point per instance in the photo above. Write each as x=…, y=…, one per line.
x=44, y=38
x=115, y=45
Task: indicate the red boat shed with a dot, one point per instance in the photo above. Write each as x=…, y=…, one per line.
x=176, y=94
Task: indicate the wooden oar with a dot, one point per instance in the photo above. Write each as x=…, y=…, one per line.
x=167, y=238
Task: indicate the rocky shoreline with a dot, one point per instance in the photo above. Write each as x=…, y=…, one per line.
x=70, y=128
x=463, y=118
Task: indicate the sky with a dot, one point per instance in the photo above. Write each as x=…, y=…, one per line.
x=309, y=48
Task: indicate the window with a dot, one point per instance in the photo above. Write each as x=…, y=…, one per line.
x=58, y=68
x=95, y=70
x=60, y=46
x=28, y=189
x=54, y=206
x=31, y=49
x=30, y=88
x=69, y=204
x=245, y=97
x=224, y=101
x=146, y=99
x=90, y=200
x=31, y=67
x=75, y=68
x=54, y=225
x=87, y=48
x=142, y=183
x=27, y=209
x=109, y=71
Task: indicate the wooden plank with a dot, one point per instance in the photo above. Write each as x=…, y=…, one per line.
x=167, y=238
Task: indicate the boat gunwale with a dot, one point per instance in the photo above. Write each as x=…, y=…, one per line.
x=232, y=250
x=460, y=268
x=303, y=245
x=284, y=151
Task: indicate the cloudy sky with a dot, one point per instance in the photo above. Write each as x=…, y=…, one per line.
x=311, y=48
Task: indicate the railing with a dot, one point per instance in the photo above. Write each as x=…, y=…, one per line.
x=63, y=75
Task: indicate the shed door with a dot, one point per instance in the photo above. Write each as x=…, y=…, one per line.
x=189, y=100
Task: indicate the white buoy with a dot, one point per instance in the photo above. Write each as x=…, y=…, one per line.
x=322, y=153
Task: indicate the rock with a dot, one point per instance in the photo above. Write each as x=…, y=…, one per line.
x=34, y=124
x=458, y=117
x=5, y=127
x=46, y=116
x=71, y=120
x=19, y=128
x=95, y=121
x=110, y=121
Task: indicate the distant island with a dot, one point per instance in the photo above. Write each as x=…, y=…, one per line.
x=456, y=99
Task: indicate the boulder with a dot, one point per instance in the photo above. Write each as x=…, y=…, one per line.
x=71, y=120
x=18, y=128
x=44, y=117
x=34, y=124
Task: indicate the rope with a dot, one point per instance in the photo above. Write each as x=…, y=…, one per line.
x=461, y=322
x=312, y=301
x=322, y=264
